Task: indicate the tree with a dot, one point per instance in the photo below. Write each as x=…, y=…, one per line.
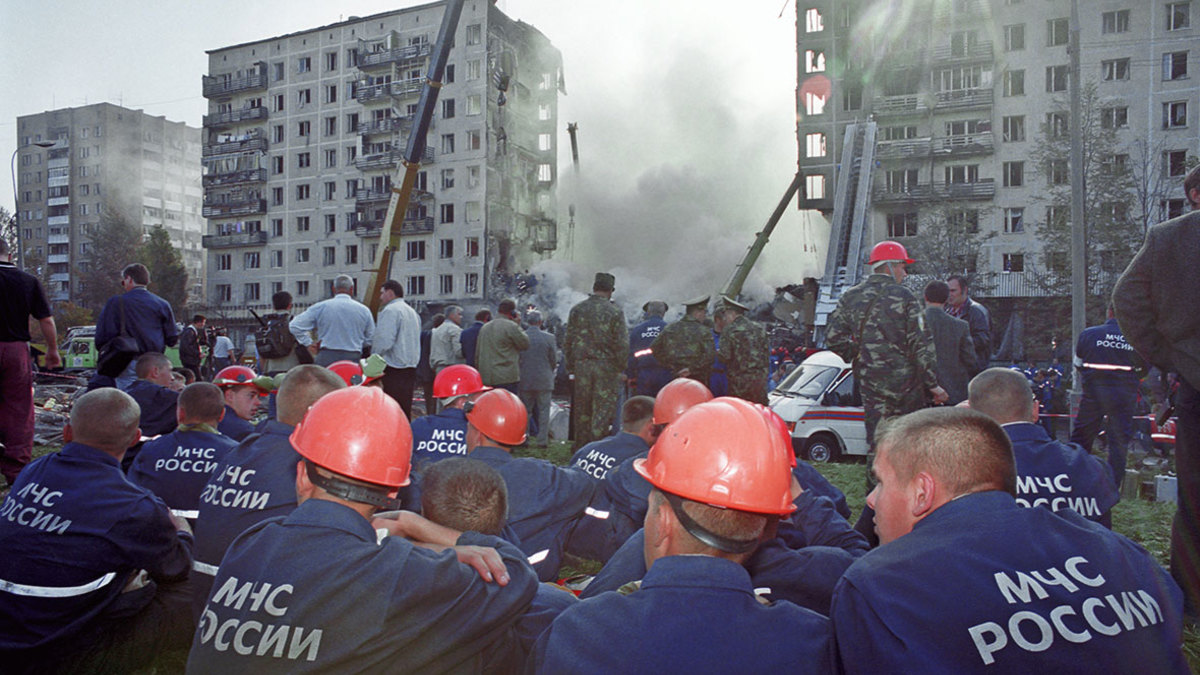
x=115, y=243
x=8, y=229
x=168, y=276
x=1112, y=216
x=948, y=239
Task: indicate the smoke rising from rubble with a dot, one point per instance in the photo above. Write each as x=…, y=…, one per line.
x=687, y=141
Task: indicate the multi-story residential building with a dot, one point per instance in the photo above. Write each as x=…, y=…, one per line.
x=110, y=160
x=306, y=134
x=967, y=93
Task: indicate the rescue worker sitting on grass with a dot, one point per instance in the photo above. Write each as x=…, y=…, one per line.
x=436, y=437
x=339, y=595
x=94, y=571
x=965, y=580
x=545, y=500
x=721, y=477
x=177, y=466
x=242, y=389
x=638, y=432
x=153, y=394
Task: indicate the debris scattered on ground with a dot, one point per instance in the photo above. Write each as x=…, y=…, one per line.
x=52, y=399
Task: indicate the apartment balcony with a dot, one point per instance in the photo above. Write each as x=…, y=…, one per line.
x=58, y=162
x=58, y=258
x=368, y=60
x=981, y=51
x=369, y=92
x=235, y=178
x=58, y=239
x=56, y=221
x=962, y=99
x=235, y=240
x=60, y=276
x=965, y=144
x=386, y=125
x=255, y=142
x=908, y=104
x=908, y=148
x=410, y=226
x=223, y=85
x=389, y=159
x=225, y=119
x=58, y=201
x=372, y=196
x=981, y=190
x=238, y=208
x=545, y=236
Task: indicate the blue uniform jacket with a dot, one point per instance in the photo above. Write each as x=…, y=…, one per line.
x=255, y=481
x=176, y=466
x=148, y=318
x=316, y=592
x=439, y=436
x=549, y=602
x=233, y=426
x=812, y=481
x=468, y=338
x=1105, y=345
x=651, y=376
x=158, y=405
x=616, y=511
x=983, y=585
x=598, y=458
x=815, y=567
x=544, y=501
x=72, y=532
x=1060, y=475
x=693, y=614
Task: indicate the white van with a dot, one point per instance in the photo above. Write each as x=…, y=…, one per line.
x=821, y=408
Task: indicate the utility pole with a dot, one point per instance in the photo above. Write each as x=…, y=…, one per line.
x=1078, y=188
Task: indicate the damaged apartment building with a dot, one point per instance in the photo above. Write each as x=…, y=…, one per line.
x=306, y=134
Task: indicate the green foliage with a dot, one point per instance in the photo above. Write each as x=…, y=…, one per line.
x=114, y=245
x=68, y=315
x=168, y=276
x=8, y=228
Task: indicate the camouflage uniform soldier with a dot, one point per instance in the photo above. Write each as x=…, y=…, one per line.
x=595, y=352
x=686, y=346
x=744, y=351
x=879, y=326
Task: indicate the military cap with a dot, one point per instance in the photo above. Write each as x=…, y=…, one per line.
x=729, y=303
x=696, y=302
x=604, y=282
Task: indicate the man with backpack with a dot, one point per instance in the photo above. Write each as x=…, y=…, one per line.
x=277, y=347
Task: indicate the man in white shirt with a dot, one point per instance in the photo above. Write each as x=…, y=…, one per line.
x=398, y=341
x=343, y=325
x=445, y=345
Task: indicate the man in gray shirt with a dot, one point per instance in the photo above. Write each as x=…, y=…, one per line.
x=445, y=345
x=538, y=364
x=343, y=325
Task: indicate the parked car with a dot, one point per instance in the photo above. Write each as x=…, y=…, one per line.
x=79, y=350
x=819, y=403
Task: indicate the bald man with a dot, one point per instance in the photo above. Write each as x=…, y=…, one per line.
x=1050, y=474
x=76, y=536
x=968, y=581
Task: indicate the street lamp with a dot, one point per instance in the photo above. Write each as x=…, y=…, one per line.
x=17, y=258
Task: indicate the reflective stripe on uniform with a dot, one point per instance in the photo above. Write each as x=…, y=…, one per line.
x=204, y=568
x=185, y=514
x=539, y=556
x=1106, y=366
x=642, y=352
x=56, y=591
x=596, y=513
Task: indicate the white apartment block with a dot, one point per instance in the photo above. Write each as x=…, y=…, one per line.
x=305, y=137
x=961, y=91
x=105, y=158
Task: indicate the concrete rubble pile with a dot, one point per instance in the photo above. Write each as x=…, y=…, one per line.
x=52, y=399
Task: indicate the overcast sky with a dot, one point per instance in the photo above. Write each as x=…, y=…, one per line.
x=685, y=108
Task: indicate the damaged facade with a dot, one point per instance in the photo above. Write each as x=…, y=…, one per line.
x=306, y=133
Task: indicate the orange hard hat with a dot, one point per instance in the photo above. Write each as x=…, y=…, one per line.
x=457, y=380
x=889, y=251
x=232, y=376
x=677, y=396
x=499, y=415
x=723, y=453
x=359, y=433
x=780, y=428
x=350, y=372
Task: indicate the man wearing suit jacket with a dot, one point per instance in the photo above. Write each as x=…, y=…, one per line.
x=1155, y=301
x=538, y=364
x=956, y=360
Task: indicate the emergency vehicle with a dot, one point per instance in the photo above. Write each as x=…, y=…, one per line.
x=822, y=410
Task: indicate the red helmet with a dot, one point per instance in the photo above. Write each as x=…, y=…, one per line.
x=724, y=453
x=232, y=376
x=676, y=397
x=359, y=433
x=457, y=380
x=499, y=415
x=889, y=251
x=350, y=372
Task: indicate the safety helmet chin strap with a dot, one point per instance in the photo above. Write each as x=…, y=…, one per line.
x=375, y=496
x=719, y=542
